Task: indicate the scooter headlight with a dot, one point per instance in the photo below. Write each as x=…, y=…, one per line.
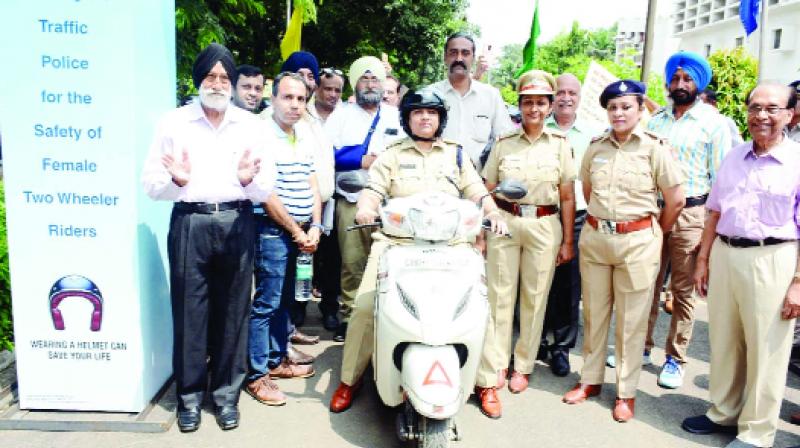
x=462, y=305
x=434, y=226
x=408, y=304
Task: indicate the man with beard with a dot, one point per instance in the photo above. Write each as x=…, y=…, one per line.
x=288, y=223
x=700, y=138
x=477, y=112
x=563, y=305
x=249, y=88
x=359, y=132
x=210, y=159
x=748, y=267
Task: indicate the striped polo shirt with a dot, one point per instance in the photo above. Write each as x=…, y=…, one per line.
x=700, y=139
x=294, y=166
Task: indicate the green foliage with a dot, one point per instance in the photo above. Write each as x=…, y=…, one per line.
x=6, y=327
x=735, y=74
x=411, y=32
x=573, y=52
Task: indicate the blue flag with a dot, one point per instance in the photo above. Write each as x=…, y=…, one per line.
x=748, y=12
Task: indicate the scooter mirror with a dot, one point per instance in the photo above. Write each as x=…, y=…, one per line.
x=512, y=189
x=351, y=181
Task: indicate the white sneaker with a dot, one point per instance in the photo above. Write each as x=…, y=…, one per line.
x=671, y=376
x=611, y=361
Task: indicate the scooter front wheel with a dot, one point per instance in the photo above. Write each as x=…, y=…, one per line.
x=434, y=433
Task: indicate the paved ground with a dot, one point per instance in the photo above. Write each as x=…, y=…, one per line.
x=536, y=418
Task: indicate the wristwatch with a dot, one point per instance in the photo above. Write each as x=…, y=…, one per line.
x=318, y=225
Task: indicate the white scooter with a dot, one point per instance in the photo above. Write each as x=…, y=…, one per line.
x=431, y=310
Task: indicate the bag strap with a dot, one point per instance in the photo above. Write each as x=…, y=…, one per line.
x=459, y=157
x=371, y=130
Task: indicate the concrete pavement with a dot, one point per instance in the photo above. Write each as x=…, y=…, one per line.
x=535, y=418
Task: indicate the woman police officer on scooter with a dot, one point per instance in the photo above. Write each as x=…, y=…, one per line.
x=541, y=158
x=422, y=162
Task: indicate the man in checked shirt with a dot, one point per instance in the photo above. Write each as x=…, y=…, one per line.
x=699, y=138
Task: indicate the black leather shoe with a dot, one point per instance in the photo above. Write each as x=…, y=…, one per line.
x=703, y=425
x=559, y=363
x=189, y=419
x=541, y=355
x=330, y=322
x=227, y=417
x=341, y=332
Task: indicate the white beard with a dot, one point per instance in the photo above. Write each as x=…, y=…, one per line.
x=215, y=99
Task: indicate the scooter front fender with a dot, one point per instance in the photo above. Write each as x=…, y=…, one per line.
x=431, y=378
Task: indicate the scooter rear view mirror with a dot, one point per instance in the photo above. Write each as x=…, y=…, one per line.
x=512, y=189
x=352, y=181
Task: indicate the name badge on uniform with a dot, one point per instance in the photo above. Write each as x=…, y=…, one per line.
x=408, y=166
x=599, y=160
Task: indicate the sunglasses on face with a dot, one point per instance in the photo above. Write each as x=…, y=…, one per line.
x=330, y=71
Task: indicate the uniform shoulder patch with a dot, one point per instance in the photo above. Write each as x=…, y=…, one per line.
x=509, y=134
x=657, y=137
x=398, y=144
x=597, y=138
x=449, y=142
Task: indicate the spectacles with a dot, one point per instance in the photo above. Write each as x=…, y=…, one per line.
x=330, y=71
x=755, y=109
x=212, y=79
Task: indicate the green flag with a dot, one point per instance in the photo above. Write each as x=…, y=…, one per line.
x=529, y=53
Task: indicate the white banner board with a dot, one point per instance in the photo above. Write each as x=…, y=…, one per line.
x=86, y=81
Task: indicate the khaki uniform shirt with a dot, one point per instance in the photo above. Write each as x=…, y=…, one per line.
x=403, y=170
x=542, y=164
x=625, y=179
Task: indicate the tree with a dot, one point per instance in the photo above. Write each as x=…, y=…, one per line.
x=572, y=52
x=411, y=32
x=735, y=75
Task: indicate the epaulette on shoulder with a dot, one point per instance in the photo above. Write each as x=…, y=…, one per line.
x=448, y=141
x=509, y=134
x=597, y=138
x=657, y=137
x=557, y=133
x=397, y=144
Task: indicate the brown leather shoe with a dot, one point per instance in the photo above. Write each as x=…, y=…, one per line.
x=343, y=397
x=266, y=391
x=581, y=392
x=623, y=409
x=303, y=339
x=295, y=356
x=518, y=382
x=289, y=370
x=490, y=403
x=501, y=378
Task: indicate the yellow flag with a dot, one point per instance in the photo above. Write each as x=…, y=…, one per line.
x=291, y=40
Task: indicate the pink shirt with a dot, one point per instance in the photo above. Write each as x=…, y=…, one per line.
x=758, y=197
x=214, y=155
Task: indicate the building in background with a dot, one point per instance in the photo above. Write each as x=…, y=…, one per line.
x=705, y=26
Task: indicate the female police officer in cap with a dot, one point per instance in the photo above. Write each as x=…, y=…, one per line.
x=623, y=172
x=541, y=158
x=422, y=162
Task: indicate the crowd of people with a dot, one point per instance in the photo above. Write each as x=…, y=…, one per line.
x=606, y=215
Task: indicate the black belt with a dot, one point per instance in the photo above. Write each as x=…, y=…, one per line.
x=212, y=207
x=692, y=201
x=746, y=242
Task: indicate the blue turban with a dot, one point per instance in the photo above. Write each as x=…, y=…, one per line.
x=301, y=59
x=692, y=63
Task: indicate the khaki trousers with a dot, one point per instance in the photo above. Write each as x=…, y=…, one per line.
x=679, y=250
x=360, y=339
x=617, y=271
x=354, y=247
x=750, y=342
x=527, y=259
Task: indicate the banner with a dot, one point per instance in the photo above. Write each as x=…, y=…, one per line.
x=88, y=262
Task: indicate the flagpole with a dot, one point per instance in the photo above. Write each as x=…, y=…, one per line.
x=648, y=41
x=762, y=40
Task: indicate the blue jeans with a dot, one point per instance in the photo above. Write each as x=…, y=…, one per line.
x=275, y=259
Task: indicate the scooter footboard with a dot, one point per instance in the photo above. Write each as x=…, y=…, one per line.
x=431, y=377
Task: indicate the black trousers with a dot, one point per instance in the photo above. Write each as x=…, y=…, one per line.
x=211, y=273
x=328, y=272
x=562, y=315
